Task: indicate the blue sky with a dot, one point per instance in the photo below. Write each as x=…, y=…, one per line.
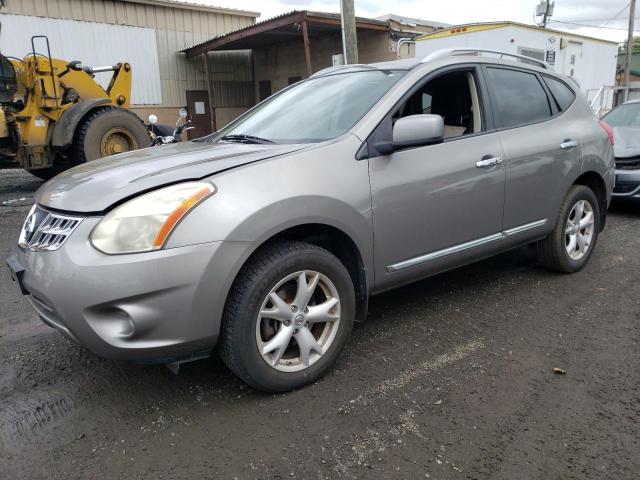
x=597, y=13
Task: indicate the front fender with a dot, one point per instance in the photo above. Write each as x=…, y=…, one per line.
x=254, y=202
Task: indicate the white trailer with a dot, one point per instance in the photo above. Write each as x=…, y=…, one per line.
x=591, y=61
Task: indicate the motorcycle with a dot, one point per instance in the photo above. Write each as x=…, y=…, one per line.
x=161, y=134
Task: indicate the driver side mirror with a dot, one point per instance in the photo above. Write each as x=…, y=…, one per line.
x=413, y=131
x=418, y=131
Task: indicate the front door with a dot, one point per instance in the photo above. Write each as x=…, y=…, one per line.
x=440, y=205
x=200, y=113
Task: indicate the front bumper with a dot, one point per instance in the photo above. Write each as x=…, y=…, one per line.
x=627, y=184
x=153, y=306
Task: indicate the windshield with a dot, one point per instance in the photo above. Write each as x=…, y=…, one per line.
x=624, y=116
x=315, y=110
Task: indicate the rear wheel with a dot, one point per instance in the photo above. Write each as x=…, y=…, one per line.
x=103, y=132
x=108, y=131
x=288, y=316
x=574, y=237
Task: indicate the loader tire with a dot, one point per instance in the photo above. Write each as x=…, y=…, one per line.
x=108, y=131
x=103, y=132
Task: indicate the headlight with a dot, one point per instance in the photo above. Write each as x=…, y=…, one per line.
x=144, y=223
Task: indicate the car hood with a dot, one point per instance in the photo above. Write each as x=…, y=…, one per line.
x=95, y=186
x=627, y=141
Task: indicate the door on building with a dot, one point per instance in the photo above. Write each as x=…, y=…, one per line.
x=200, y=112
x=572, y=57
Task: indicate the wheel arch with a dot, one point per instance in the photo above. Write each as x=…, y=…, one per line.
x=335, y=241
x=65, y=128
x=596, y=183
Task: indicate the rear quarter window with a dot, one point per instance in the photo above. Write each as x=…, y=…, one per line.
x=562, y=94
x=518, y=97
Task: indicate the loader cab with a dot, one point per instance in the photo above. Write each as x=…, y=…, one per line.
x=8, y=81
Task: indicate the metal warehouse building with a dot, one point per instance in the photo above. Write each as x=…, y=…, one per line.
x=146, y=33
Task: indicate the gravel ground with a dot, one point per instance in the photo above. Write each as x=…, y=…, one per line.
x=449, y=378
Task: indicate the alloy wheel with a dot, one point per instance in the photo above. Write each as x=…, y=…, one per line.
x=579, y=230
x=298, y=321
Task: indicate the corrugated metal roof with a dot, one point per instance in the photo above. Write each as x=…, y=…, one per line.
x=412, y=21
x=295, y=16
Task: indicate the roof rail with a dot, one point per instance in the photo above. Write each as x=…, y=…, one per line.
x=337, y=68
x=449, y=52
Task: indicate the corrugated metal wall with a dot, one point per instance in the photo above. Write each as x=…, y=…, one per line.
x=85, y=41
x=176, y=28
x=232, y=77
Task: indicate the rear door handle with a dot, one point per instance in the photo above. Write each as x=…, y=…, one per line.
x=568, y=144
x=488, y=162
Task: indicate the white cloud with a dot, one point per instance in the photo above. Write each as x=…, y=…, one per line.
x=591, y=12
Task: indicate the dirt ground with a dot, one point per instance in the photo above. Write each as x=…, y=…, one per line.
x=450, y=378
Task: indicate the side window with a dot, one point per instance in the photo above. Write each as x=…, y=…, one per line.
x=453, y=96
x=518, y=97
x=563, y=95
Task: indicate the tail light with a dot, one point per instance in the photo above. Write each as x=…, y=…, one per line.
x=609, y=131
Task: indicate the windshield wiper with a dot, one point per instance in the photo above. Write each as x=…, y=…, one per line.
x=243, y=137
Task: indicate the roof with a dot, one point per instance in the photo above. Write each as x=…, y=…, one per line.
x=479, y=27
x=279, y=29
x=195, y=6
x=410, y=21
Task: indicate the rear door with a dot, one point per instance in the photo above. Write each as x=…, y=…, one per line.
x=542, y=149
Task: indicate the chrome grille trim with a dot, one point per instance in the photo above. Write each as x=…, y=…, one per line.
x=46, y=231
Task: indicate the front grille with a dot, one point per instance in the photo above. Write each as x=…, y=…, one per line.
x=46, y=231
x=632, y=163
x=625, y=187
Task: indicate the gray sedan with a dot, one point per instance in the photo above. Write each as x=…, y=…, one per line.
x=268, y=237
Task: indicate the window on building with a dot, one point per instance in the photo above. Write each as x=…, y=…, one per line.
x=531, y=52
x=265, y=89
x=519, y=97
x=453, y=96
x=562, y=94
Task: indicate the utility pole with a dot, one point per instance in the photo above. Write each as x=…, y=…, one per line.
x=627, y=60
x=349, y=38
x=545, y=10
x=545, y=16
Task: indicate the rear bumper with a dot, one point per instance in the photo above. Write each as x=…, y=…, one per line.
x=153, y=307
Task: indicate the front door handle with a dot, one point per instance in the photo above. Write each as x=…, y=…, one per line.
x=488, y=162
x=568, y=144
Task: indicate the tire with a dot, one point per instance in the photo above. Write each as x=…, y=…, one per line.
x=245, y=333
x=90, y=141
x=554, y=250
x=89, y=135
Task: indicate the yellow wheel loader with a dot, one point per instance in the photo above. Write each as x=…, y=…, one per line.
x=54, y=115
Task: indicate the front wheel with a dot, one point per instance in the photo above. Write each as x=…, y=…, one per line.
x=289, y=313
x=574, y=237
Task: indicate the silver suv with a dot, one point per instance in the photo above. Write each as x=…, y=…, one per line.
x=268, y=237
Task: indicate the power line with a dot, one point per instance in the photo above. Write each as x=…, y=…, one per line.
x=623, y=19
x=616, y=15
x=588, y=25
